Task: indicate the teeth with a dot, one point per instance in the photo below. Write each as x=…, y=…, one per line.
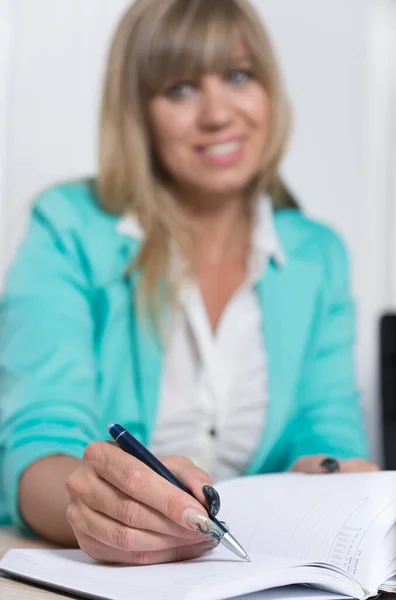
x=223, y=149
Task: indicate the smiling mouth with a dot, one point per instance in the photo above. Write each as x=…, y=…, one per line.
x=222, y=149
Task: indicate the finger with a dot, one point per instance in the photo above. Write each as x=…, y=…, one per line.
x=106, y=554
x=357, y=465
x=116, y=535
x=138, y=481
x=193, y=478
x=190, y=475
x=196, y=480
x=309, y=464
x=103, y=497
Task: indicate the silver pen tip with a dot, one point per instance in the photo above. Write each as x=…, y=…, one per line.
x=247, y=558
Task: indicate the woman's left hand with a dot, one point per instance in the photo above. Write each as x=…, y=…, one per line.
x=313, y=464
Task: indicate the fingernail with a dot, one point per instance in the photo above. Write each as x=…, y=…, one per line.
x=331, y=465
x=201, y=523
x=212, y=498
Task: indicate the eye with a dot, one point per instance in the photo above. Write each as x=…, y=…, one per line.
x=239, y=76
x=183, y=89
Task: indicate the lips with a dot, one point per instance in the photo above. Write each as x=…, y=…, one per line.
x=224, y=154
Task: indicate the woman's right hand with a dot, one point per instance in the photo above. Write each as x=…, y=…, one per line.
x=121, y=511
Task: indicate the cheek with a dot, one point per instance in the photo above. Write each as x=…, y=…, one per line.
x=170, y=128
x=257, y=110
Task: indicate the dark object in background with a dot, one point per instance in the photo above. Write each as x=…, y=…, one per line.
x=388, y=387
x=331, y=465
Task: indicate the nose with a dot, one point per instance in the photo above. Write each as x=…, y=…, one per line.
x=215, y=106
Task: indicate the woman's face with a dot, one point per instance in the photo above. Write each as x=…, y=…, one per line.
x=211, y=134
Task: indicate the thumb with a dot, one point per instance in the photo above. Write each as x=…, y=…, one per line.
x=317, y=463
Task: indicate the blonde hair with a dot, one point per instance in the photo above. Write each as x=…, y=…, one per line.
x=158, y=41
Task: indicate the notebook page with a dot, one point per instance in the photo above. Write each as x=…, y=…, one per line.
x=389, y=585
x=214, y=577
x=387, y=550
x=336, y=519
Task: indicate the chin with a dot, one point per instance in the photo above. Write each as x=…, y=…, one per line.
x=225, y=187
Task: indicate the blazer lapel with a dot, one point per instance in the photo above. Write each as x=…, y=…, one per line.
x=287, y=296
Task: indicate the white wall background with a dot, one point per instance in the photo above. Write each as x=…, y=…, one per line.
x=6, y=39
x=338, y=57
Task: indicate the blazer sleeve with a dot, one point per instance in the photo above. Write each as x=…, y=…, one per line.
x=330, y=418
x=47, y=363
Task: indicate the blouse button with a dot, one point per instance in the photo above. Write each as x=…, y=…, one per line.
x=213, y=432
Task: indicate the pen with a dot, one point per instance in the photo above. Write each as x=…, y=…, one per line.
x=127, y=442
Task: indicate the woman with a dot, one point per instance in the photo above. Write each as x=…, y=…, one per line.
x=182, y=294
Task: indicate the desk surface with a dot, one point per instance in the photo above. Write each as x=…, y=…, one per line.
x=15, y=590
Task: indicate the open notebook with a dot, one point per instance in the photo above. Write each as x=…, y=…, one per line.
x=336, y=533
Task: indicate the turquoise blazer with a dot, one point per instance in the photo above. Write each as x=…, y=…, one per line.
x=74, y=354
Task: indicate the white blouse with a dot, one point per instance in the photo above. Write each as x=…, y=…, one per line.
x=213, y=394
